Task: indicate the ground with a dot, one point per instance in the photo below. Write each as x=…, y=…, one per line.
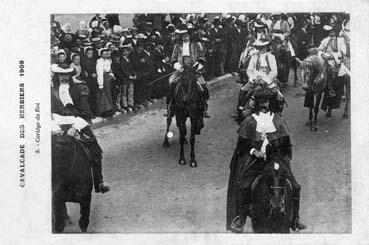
x=151, y=192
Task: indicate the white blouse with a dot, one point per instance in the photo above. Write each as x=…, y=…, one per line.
x=102, y=65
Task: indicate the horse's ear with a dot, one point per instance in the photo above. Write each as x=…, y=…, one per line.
x=298, y=60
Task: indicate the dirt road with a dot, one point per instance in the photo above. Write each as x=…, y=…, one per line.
x=151, y=192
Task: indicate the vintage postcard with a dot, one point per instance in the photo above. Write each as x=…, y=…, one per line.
x=191, y=122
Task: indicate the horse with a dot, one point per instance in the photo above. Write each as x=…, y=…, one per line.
x=314, y=74
x=71, y=180
x=187, y=102
x=271, y=208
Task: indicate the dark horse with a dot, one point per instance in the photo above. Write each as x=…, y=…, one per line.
x=71, y=180
x=271, y=199
x=187, y=102
x=283, y=59
x=314, y=74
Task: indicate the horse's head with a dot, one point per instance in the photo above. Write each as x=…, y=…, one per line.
x=276, y=183
x=187, y=86
x=306, y=73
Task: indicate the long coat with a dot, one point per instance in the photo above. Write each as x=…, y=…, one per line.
x=240, y=176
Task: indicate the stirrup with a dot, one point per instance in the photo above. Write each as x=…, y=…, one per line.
x=235, y=229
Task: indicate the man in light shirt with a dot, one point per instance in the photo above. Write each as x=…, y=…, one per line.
x=262, y=71
x=194, y=52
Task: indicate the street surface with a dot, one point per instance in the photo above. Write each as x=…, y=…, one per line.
x=151, y=192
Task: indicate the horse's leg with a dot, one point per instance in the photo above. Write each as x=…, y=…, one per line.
x=294, y=63
x=85, y=213
x=309, y=123
x=166, y=139
x=59, y=213
x=316, y=111
x=193, y=162
x=182, y=137
x=348, y=96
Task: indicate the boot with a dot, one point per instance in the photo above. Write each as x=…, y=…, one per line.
x=238, y=223
x=296, y=221
x=99, y=184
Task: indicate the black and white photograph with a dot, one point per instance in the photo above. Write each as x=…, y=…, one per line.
x=201, y=122
x=184, y=122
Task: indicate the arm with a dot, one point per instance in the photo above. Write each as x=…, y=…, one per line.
x=273, y=67
x=175, y=54
x=100, y=73
x=251, y=68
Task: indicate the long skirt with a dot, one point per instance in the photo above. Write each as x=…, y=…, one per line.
x=104, y=96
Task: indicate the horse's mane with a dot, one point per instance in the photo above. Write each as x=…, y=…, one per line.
x=314, y=60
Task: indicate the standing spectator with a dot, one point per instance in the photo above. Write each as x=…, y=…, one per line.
x=128, y=77
x=237, y=36
x=88, y=67
x=143, y=66
x=104, y=80
x=217, y=36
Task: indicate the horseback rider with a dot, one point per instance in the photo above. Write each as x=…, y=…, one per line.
x=262, y=71
x=333, y=50
x=280, y=28
x=71, y=116
x=260, y=134
x=196, y=57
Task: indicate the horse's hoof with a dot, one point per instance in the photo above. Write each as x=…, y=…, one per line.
x=345, y=116
x=182, y=162
x=308, y=123
x=314, y=129
x=193, y=164
x=166, y=144
x=67, y=221
x=84, y=230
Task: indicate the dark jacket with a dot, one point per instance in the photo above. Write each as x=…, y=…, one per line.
x=143, y=65
x=80, y=107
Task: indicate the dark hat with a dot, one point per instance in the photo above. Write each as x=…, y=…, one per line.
x=127, y=46
x=148, y=24
x=263, y=94
x=115, y=39
x=159, y=41
x=86, y=42
x=238, y=22
x=96, y=40
x=170, y=28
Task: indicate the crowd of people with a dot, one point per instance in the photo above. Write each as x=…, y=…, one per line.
x=122, y=65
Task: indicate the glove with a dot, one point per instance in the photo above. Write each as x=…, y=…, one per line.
x=177, y=66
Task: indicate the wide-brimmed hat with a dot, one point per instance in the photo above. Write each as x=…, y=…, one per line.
x=96, y=40
x=72, y=55
x=102, y=50
x=127, y=46
x=263, y=94
x=61, y=51
x=87, y=48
